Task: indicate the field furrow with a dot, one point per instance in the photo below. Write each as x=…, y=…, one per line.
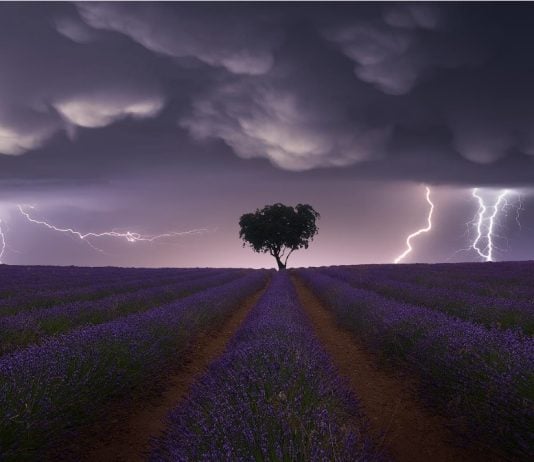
x=400, y=423
x=482, y=379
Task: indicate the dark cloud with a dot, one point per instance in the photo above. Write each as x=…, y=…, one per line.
x=50, y=83
x=289, y=115
x=425, y=92
x=399, y=46
x=242, y=39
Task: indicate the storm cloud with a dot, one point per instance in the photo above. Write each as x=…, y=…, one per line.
x=304, y=86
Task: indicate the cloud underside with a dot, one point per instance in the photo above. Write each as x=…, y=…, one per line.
x=302, y=87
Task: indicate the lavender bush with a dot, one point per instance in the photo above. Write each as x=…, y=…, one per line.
x=274, y=395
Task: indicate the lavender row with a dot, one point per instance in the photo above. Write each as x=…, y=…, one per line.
x=508, y=273
x=26, y=300
x=273, y=395
x=14, y=279
x=481, y=376
x=498, y=312
x=517, y=273
x=29, y=327
x=504, y=280
x=47, y=390
x=491, y=288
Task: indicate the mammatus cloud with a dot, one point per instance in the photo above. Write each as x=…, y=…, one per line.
x=56, y=75
x=395, y=49
x=395, y=86
x=294, y=133
x=75, y=29
x=238, y=38
x=483, y=145
x=92, y=112
x=14, y=141
x=380, y=53
x=411, y=16
x=89, y=111
x=489, y=126
x=25, y=123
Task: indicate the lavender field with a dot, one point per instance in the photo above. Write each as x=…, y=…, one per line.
x=66, y=357
x=74, y=342
x=247, y=192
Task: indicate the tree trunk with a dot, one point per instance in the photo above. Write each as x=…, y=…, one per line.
x=281, y=265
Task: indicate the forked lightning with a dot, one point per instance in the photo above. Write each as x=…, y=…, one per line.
x=426, y=229
x=128, y=235
x=485, y=222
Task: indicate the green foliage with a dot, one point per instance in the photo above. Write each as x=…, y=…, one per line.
x=279, y=230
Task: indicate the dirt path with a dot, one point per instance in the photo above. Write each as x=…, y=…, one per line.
x=398, y=421
x=127, y=433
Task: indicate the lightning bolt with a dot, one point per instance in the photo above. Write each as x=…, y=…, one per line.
x=485, y=224
x=480, y=213
x=2, y=242
x=128, y=235
x=426, y=229
x=518, y=211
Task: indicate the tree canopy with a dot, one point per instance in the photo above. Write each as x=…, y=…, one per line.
x=279, y=230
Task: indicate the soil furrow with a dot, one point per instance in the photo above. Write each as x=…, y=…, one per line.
x=399, y=422
x=127, y=431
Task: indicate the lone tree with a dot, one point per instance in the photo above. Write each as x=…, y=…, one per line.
x=279, y=229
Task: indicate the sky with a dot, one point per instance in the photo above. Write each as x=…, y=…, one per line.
x=164, y=118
